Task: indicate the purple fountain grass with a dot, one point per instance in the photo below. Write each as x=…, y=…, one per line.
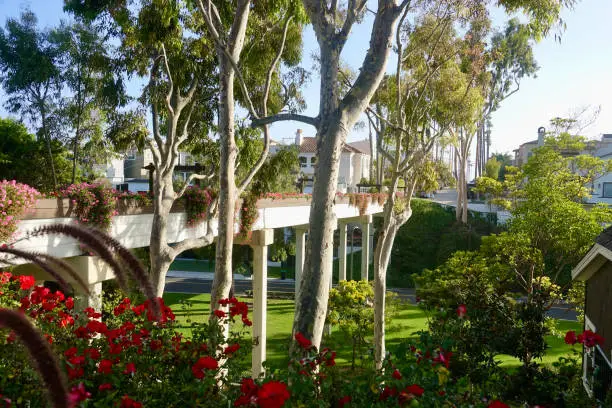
x=113, y=253
x=43, y=357
x=138, y=271
x=91, y=238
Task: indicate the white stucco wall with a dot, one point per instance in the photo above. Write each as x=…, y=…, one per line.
x=598, y=189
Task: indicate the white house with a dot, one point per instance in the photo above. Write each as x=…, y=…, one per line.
x=601, y=190
x=354, y=163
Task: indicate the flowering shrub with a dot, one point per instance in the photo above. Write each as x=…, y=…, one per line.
x=248, y=214
x=15, y=200
x=127, y=359
x=197, y=202
x=95, y=204
x=362, y=200
x=130, y=358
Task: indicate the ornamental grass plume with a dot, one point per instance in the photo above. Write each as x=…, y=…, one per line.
x=50, y=265
x=40, y=351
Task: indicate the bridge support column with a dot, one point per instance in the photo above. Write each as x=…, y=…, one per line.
x=92, y=270
x=342, y=252
x=366, y=226
x=300, y=252
x=260, y=241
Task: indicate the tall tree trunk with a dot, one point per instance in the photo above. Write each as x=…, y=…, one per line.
x=336, y=118
x=77, y=134
x=160, y=253
x=382, y=255
x=45, y=132
x=227, y=189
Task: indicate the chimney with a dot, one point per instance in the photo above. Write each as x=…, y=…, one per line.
x=299, y=138
x=541, y=134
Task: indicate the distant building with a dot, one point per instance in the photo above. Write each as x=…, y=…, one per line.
x=354, y=163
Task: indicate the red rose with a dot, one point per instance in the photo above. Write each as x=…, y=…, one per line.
x=220, y=314
x=69, y=303
x=443, y=357
x=127, y=402
x=414, y=390
x=497, y=404
x=105, y=367
x=272, y=394
x=303, y=341
x=78, y=394
x=26, y=282
x=204, y=363
x=231, y=349
x=344, y=400
x=130, y=368
x=570, y=337
x=461, y=311
x=105, y=387
x=75, y=372
x=397, y=375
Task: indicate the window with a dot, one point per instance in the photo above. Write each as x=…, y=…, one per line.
x=607, y=190
x=131, y=155
x=303, y=162
x=313, y=161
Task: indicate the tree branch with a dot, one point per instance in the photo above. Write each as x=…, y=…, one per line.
x=266, y=149
x=257, y=122
x=171, y=90
x=191, y=178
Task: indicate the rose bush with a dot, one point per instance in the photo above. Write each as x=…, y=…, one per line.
x=126, y=357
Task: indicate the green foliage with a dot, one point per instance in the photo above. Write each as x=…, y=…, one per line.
x=492, y=168
x=24, y=158
x=547, y=196
x=428, y=238
x=278, y=173
x=351, y=309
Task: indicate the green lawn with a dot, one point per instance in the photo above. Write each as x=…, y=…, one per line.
x=280, y=319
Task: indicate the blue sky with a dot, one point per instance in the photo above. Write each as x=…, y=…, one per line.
x=573, y=73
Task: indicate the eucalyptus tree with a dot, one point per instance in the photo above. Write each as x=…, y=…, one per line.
x=190, y=85
x=30, y=76
x=427, y=96
x=88, y=73
x=512, y=59
x=249, y=40
x=155, y=44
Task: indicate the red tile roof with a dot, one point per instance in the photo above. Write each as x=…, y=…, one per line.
x=309, y=145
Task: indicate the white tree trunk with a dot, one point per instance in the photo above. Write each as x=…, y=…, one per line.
x=227, y=189
x=336, y=118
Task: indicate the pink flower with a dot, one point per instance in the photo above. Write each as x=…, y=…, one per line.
x=78, y=394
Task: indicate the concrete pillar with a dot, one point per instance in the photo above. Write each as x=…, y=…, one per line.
x=92, y=270
x=366, y=225
x=94, y=300
x=300, y=252
x=342, y=253
x=260, y=241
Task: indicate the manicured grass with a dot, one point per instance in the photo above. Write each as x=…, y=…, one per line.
x=280, y=320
